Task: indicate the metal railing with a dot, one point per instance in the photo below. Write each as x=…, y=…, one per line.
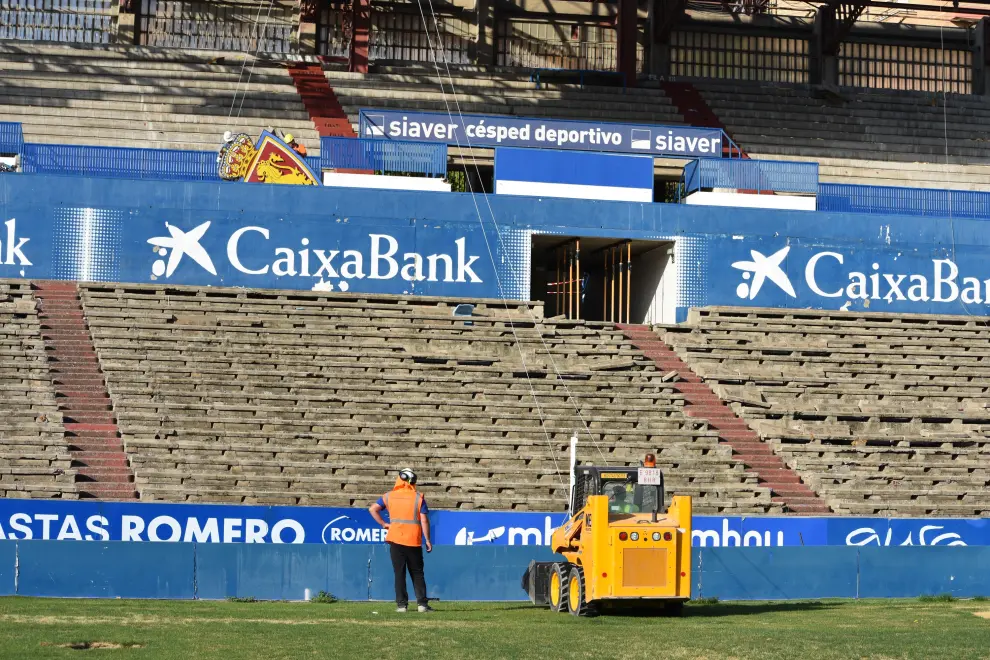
x=851, y=198
x=122, y=162
x=343, y=153
x=11, y=137
x=749, y=174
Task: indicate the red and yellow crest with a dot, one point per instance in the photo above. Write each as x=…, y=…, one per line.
x=235, y=157
x=276, y=162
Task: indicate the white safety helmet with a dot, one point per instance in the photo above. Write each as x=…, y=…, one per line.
x=407, y=475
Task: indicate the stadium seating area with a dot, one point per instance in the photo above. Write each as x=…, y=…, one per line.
x=34, y=456
x=255, y=396
x=497, y=92
x=879, y=413
x=878, y=137
x=132, y=97
x=143, y=97
x=296, y=398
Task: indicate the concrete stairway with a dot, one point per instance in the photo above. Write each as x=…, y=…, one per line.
x=748, y=448
x=81, y=393
x=320, y=101
x=696, y=111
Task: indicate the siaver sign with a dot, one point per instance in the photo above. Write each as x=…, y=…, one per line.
x=538, y=133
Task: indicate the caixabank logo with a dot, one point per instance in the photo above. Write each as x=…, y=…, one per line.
x=252, y=252
x=13, y=250
x=826, y=279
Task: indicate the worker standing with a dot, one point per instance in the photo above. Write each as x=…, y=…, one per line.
x=408, y=528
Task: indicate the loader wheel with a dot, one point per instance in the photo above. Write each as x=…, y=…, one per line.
x=577, y=603
x=558, y=588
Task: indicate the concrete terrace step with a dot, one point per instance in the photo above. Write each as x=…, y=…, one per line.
x=108, y=491
x=105, y=473
x=110, y=82
x=85, y=406
x=94, y=447
x=100, y=459
x=33, y=115
x=83, y=395
x=152, y=72
x=132, y=99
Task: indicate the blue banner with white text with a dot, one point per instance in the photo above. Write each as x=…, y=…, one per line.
x=216, y=523
x=540, y=133
x=399, y=242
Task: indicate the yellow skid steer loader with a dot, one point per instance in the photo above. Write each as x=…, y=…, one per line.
x=623, y=547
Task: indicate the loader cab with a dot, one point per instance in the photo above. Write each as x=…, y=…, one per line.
x=621, y=485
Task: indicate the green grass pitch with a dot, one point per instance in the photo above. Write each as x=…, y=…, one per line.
x=37, y=628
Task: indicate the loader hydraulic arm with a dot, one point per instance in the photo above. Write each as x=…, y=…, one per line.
x=563, y=537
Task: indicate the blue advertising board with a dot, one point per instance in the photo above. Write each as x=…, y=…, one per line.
x=551, y=173
x=397, y=242
x=363, y=572
x=214, y=523
x=540, y=133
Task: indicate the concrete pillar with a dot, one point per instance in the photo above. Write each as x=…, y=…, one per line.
x=357, y=61
x=126, y=32
x=658, y=60
x=657, y=56
x=981, y=58
x=483, y=33
x=823, y=66
x=627, y=33
x=309, y=15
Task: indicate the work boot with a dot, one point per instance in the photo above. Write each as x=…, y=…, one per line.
x=401, y=609
x=425, y=608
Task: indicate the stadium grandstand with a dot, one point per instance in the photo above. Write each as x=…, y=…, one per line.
x=873, y=91
x=151, y=382
x=226, y=396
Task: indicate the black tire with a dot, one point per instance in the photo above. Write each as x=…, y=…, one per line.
x=674, y=608
x=562, y=572
x=578, y=604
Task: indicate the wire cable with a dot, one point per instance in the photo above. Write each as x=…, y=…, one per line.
x=491, y=212
x=488, y=247
x=498, y=231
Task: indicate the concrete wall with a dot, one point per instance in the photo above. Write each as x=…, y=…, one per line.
x=363, y=572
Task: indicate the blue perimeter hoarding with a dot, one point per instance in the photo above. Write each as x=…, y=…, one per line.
x=209, y=523
x=447, y=244
x=540, y=133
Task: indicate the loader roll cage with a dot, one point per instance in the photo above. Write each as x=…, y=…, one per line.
x=621, y=485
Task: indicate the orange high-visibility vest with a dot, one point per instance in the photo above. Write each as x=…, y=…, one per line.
x=403, y=507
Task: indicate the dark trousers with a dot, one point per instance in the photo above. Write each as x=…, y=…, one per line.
x=407, y=557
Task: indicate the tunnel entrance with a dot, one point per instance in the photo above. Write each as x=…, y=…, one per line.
x=604, y=279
